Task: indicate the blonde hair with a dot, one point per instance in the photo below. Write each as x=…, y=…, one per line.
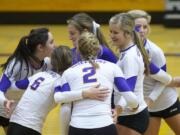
x=126, y=23
x=89, y=47
x=140, y=14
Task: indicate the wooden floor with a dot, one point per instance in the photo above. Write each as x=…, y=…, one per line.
x=167, y=39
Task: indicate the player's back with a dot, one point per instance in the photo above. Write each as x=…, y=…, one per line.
x=83, y=76
x=37, y=100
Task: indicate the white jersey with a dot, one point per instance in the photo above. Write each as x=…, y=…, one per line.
x=36, y=101
x=162, y=96
x=132, y=65
x=16, y=72
x=87, y=113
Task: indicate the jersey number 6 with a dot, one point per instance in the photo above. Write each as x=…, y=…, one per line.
x=36, y=83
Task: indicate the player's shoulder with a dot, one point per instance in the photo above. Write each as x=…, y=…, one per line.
x=131, y=54
x=153, y=47
x=106, y=63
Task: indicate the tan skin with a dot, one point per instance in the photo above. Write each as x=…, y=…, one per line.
x=44, y=51
x=119, y=38
x=74, y=34
x=155, y=122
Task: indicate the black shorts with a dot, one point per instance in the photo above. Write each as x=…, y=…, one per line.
x=108, y=130
x=16, y=129
x=4, y=121
x=169, y=112
x=138, y=122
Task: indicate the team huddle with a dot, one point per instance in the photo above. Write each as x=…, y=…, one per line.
x=99, y=93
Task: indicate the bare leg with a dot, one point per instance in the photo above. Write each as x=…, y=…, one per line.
x=122, y=130
x=154, y=125
x=174, y=123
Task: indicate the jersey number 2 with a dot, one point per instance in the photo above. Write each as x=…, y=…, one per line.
x=89, y=72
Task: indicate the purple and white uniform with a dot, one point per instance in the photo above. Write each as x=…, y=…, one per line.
x=87, y=113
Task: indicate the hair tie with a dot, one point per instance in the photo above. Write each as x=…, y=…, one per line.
x=95, y=26
x=26, y=40
x=91, y=57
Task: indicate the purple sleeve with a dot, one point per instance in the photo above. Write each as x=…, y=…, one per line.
x=108, y=55
x=5, y=83
x=121, y=84
x=164, y=67
x=153, y=68
x=132, y=82
x=65, y=87
x=57, y=89
x=22, y=84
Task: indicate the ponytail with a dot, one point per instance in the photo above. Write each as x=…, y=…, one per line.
x=93, y=63
x=19, y=54
x=140, y=45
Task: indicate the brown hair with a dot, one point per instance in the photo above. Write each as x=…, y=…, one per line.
x=61, y=59
x=83, y=21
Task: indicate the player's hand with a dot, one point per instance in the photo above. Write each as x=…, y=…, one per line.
x=175, y=82
x=9, y=106
x=149, y=102
x=127, y=109
x=96, y=93
x=114, y=115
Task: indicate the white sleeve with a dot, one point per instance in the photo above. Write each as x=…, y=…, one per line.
x=124, y=90
x=125, y=98
x=158, y=57
x=65, y=117
x=156, y=92
x=2, y=98
x=118, y=99
x=69, y=96
x=162, y=77
x=62, y=95
x=159, y=60
x=130, y=98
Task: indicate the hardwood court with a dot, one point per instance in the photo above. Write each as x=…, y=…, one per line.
x=167, y=39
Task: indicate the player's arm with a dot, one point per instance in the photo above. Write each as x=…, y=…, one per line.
x=124, y=89
x=159, y=74
x=64, y=94
x=160, y=61
x=13, y=69
x=21, y=84
x=126, y=92
x=107, y=54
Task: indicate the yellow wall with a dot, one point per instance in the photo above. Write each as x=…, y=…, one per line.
x=80, y=5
